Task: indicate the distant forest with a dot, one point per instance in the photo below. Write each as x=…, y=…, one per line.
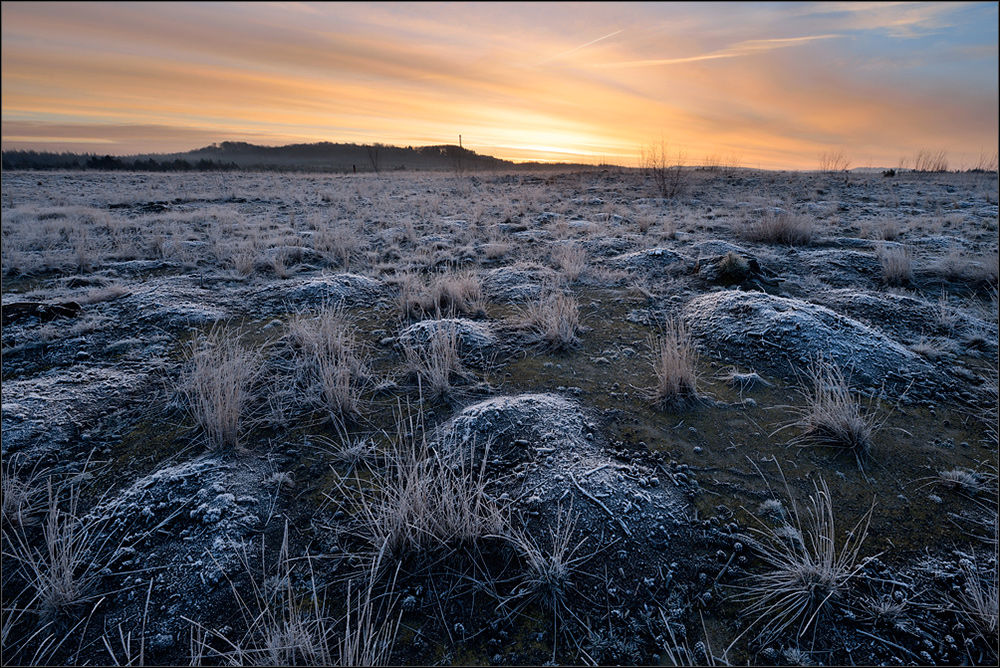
x=241, y=156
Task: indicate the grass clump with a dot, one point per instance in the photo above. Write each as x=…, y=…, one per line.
x=551, y=574
x=437, y=364
x=897, y=265
x=553, y=322
x=779, y=226
x=675, y=363
x=425, y=499
x=808, y=573
x=219, y=385
x=328, y=361
x=832, y=416
x=733, y=268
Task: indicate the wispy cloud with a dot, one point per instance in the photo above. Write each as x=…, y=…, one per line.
x=748, y=48
x=576, y=48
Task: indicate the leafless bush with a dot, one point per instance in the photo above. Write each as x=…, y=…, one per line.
x=834, y=160
x=665, y=167
x=218, y=385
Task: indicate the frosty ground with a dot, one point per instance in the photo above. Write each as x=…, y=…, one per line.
x=499, y=418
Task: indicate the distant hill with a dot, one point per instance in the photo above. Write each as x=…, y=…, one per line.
x=319, y=157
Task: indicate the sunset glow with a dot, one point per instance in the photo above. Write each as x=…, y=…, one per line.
x=773, y=83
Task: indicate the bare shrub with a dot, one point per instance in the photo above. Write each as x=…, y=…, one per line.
x=808, y=575
x=218, y=385
x=780, y=226
x=665, y=168
x=553, y=322
x=834, y=160
x=675, y=363
x=897, y=265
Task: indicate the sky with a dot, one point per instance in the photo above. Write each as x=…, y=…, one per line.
x=771, y=85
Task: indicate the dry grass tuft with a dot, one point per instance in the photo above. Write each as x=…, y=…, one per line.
x=733, y=268
x=551, y=575
x=571, y=260
x=329, y=361
x=832, y=416
x=978, y=601
x=437, y=364
x=897, y=265
x=675, y=363
x=808, y=574
x=779, y=226
x=554, y=322
x=218, y=385
x=20, y=494
x=291, y=625
x=63, y=573
x=425, y=500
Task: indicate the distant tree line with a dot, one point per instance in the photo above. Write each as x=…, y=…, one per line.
x=43, y=161
x=324, y=157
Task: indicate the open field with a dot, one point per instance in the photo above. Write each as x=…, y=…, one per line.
x=499, y=418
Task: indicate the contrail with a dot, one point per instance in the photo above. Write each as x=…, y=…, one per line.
x=576, y=48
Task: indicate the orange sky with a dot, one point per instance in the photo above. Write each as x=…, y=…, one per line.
x=774, y=84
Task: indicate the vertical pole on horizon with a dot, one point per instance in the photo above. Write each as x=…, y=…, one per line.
x=460, y=141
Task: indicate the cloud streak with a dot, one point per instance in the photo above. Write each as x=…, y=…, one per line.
x=748, y=48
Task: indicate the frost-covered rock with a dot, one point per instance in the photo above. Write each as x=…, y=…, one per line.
x=651, y=260
x=476, y=341
x=783, y=335
x=351, y=289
